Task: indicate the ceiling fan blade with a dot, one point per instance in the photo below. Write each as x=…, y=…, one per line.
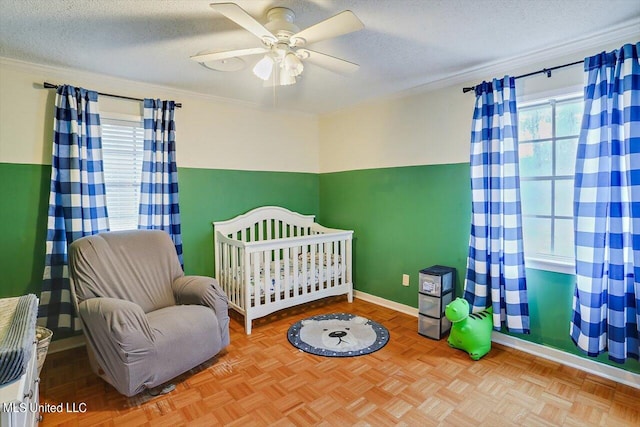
x=238, y=15
x=216, y=56
x=342, y=23
x=331, y=63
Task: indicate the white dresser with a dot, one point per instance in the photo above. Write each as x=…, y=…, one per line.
x=19, y=400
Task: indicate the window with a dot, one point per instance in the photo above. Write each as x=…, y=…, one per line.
x=122, y=151
x=548, y=134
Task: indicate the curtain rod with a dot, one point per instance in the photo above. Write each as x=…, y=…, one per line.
x=48, y=85
x=546, y=71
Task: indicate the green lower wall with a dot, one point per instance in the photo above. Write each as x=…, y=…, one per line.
x=206, y=195
x=404, y=219
x=408, y=218
x=550, y=306
x=24, y=194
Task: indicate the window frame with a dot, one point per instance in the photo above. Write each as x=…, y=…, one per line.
x=553, y=263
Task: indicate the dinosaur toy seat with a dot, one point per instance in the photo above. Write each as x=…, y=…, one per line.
x=469, y=332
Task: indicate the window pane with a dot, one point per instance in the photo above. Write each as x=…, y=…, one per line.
x=568, y=118
x=122, y=152
x=536, y=235
x=548, y=139
x=534, y=123
x=536, y=197
x=564, y=197
x=566, y=150
x=563, y=242
x=535, y=158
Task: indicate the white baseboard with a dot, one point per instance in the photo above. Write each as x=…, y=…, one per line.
x=402, y=308
x=66, y=343
x=596, y=368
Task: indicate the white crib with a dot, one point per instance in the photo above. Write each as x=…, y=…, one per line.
x=271, y=258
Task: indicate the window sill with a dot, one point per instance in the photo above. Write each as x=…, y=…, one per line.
x=549, y=264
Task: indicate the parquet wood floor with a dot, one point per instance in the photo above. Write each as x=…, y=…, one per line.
x=261, y=380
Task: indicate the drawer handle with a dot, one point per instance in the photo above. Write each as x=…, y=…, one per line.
x=29, y=395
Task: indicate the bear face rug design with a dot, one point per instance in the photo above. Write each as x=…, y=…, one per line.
x=338, y=335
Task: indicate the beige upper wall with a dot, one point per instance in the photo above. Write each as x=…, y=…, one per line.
x=420, y=127
x=429, y=126
x=210, y=133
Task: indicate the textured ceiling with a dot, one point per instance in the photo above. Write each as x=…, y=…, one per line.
x=405, y=43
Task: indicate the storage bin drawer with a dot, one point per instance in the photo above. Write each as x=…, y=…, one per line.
x=433, y=306
x=433, y=328
x=436, y=280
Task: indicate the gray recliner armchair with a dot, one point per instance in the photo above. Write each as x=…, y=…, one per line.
x=144, y=321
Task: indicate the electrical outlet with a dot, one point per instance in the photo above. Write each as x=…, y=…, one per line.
x=405, y=280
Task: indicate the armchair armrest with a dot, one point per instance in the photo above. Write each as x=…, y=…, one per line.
x=201, y=290
x=125, y=321
x=122, y=340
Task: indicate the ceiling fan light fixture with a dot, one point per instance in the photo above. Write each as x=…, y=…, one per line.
x=264, y=68
x=286, y=79
x=292, y=64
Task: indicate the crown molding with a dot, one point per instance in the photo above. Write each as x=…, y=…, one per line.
x=623, y=33
x=134, y=88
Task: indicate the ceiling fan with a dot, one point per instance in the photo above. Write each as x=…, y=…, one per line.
x=283, y=43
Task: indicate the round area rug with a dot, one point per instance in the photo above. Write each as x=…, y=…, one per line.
x=338, y=335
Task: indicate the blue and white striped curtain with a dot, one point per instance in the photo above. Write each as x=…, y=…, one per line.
x=77, y=201
x=606, y=303
x=159, y=207
x=495, y=266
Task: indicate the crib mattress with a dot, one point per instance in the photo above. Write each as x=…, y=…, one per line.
x=294, y=278
x=17, y=335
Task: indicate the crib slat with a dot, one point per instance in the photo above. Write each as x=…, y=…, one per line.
x=314, y=279
x=276, y=275
x=256, y=279
x=225, y=269
x=341, y=264
x=329, y=265
x=321, y=270
x=287, y=272
x=266, y=284
x=305, y=269
x=296, y=271
x=233, y=262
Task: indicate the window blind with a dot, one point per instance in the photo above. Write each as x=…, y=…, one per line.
x=122, y=151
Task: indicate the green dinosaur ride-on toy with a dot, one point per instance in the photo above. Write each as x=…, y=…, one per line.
x=469, y=332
